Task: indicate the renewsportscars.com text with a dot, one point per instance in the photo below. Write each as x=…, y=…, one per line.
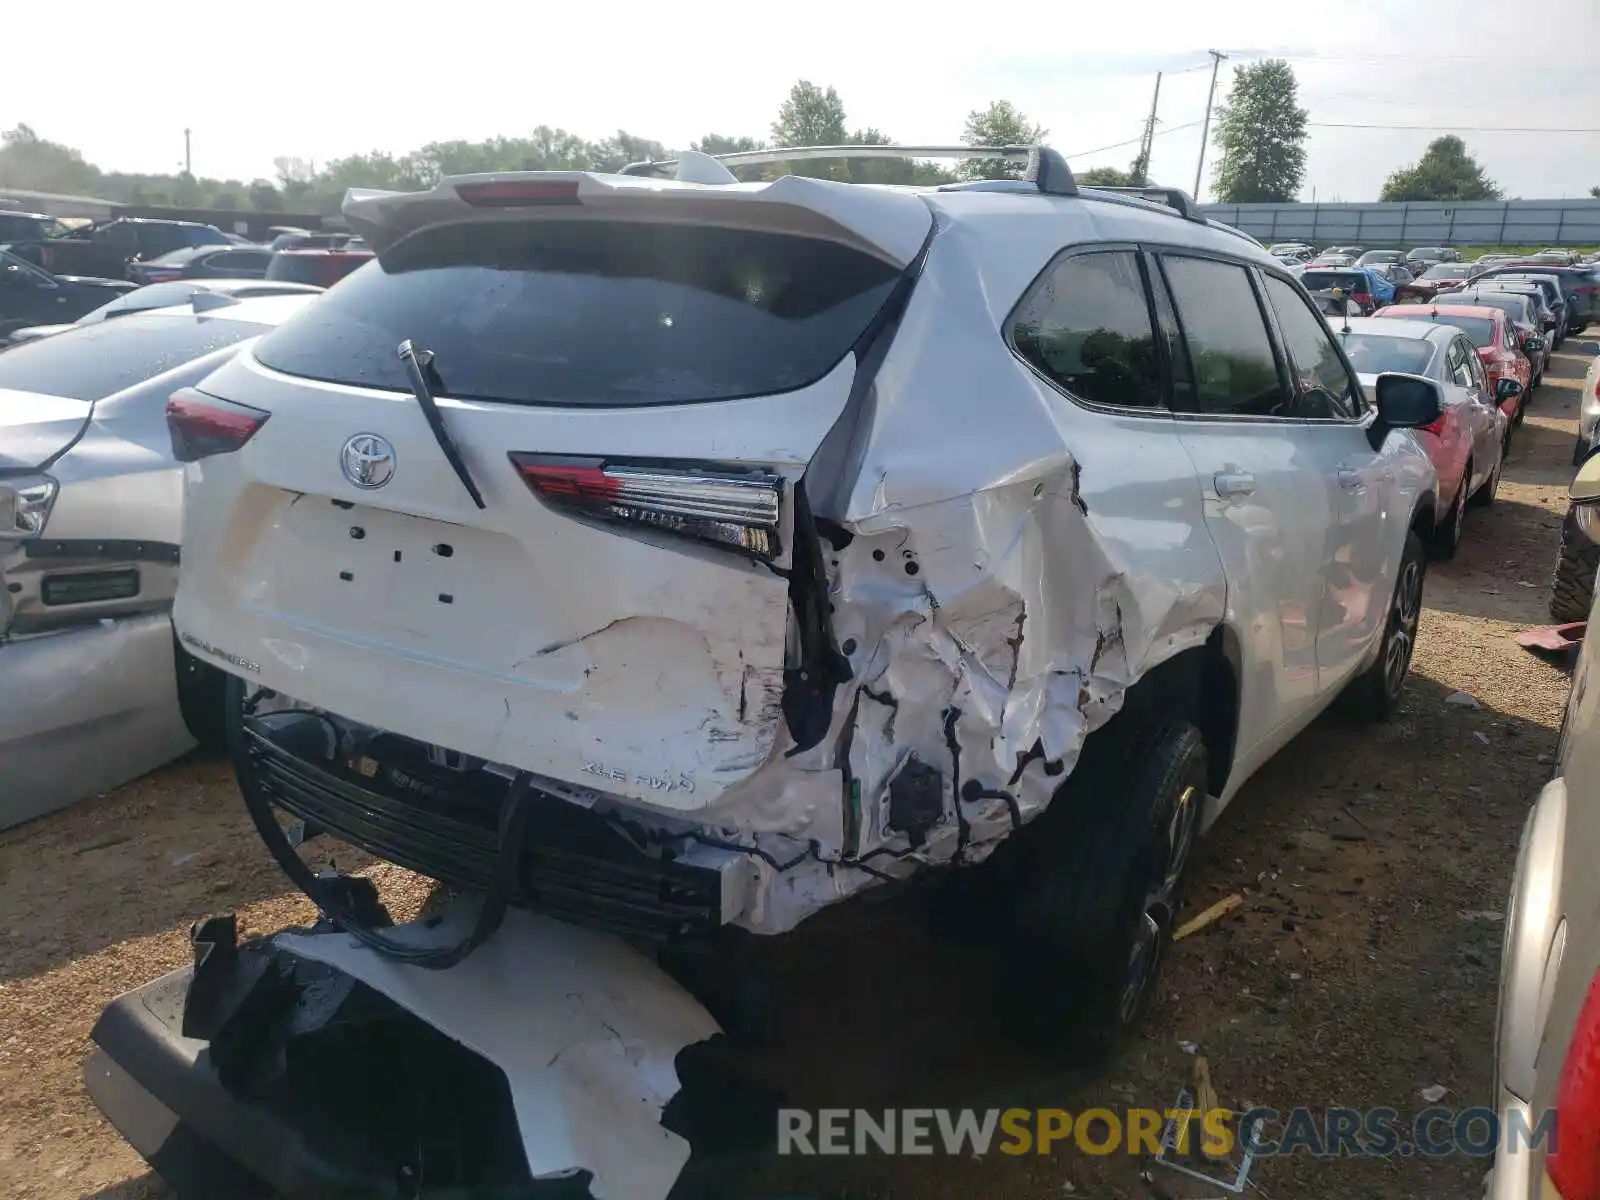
x=1331, y=1132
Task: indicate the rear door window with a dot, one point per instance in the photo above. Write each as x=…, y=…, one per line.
x=95, y=361
x=593, y=313
x=1324, y=388
x=1234, y=368
x=1086, y=326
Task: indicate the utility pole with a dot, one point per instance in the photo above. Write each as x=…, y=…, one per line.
x=188, y=165
x=1205, y=130
x=1141, y=165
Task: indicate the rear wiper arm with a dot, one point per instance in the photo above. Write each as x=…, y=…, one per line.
x=418, y=362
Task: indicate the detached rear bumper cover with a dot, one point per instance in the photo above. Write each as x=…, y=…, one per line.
x=584, y=1029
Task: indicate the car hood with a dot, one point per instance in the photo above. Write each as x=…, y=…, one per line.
x=32, y=333
x=34, y=428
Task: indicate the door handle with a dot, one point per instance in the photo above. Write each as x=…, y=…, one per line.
x=1352, y=480
x=1232, y=484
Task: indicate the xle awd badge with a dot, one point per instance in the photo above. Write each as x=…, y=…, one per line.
x=367, y=460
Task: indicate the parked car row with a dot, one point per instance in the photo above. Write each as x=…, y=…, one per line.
x=148, y=250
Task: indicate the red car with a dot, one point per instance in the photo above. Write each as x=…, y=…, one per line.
x=321, y=267
x=1491, y=332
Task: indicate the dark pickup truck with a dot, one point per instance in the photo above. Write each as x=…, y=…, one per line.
x=105, y=250
x=32, y=296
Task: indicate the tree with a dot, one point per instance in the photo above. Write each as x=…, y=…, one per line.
x=1444, y=172
x=810, y=117
x=1001, y=124
x=1261, y=133
x=1105, y=177
x=264, y=197
x=1595, y=192
x=30, y=163
x=719, y=143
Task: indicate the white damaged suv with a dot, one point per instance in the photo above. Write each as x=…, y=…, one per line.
x=671, y=554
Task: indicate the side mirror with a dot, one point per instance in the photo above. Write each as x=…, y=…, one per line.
x=1533, y=344
x=1507, y=389
x=1404, y=402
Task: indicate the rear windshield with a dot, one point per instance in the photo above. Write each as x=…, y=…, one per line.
x=1514, y=305
x=1316, y=281
x=177, y=258
x=321, y=270
x=159, y=239
x=95, y=361
x=595, y=313
x=1373, y=353
x=1479, y=329
x=1447, y=271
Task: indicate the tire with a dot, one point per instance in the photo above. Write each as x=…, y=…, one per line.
x=1484, y=497
x=1572, y=585
x=1374, y=695
x=202, y=698
x=1094, y=909
x=1580, y=451
x=1446, y=537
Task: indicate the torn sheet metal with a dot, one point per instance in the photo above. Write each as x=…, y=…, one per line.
x=585, y=1028
x=85, y=709
x=995, y=595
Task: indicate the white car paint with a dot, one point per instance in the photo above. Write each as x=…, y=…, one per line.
x=88, y=696
x=1016, y=561
x=590, y=1076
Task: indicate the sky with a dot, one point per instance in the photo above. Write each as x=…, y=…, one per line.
x=311, y=80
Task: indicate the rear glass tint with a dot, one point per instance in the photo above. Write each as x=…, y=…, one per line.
x=1479, y=329
x=1373, y=354
x=592, y=313
x=95, y=361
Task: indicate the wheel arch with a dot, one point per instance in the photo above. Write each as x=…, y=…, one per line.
x=1200, y=684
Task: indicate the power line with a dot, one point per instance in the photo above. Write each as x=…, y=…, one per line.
x=1132, y=141
x=1449, y=128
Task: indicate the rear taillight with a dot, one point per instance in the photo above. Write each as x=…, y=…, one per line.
x=737, y=510
x=203, y=425
x=1574, y=1164
x=518, y=193
x=1362, y=297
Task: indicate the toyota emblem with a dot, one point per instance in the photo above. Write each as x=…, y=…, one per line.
x=367, y=460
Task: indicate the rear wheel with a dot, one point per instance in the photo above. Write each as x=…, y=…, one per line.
x=1572, y=587
x=1446, y=539
x=1374, y=695
x=1095, y=906
x=1490, y=488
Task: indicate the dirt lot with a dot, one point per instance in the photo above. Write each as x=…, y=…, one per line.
x=1360, y=969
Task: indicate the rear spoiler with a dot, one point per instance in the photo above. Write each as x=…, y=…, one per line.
x=888, y=224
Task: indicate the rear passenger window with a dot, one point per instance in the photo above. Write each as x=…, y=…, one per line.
x=1087, y=327
x=1324, y=390
x=1235, y=372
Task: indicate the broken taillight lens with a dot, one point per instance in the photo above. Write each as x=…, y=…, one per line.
x=737, y=510
x=1574, y=1165
x=203, y=425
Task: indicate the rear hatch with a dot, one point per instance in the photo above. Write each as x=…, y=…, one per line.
x=636, y=375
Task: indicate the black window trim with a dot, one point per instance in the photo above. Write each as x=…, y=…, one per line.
x=1162, y=411
x=1352, y=377
x=1254, y=270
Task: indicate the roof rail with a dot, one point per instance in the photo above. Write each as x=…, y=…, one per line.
x=1175, y=198
x=1047, y=170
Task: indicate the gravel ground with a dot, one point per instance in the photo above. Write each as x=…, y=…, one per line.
x=1349, y=976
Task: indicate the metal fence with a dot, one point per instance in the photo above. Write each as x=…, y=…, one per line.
x=1419, y=223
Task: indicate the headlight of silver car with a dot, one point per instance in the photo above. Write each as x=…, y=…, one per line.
x=1588, y=518
x=25, y=502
